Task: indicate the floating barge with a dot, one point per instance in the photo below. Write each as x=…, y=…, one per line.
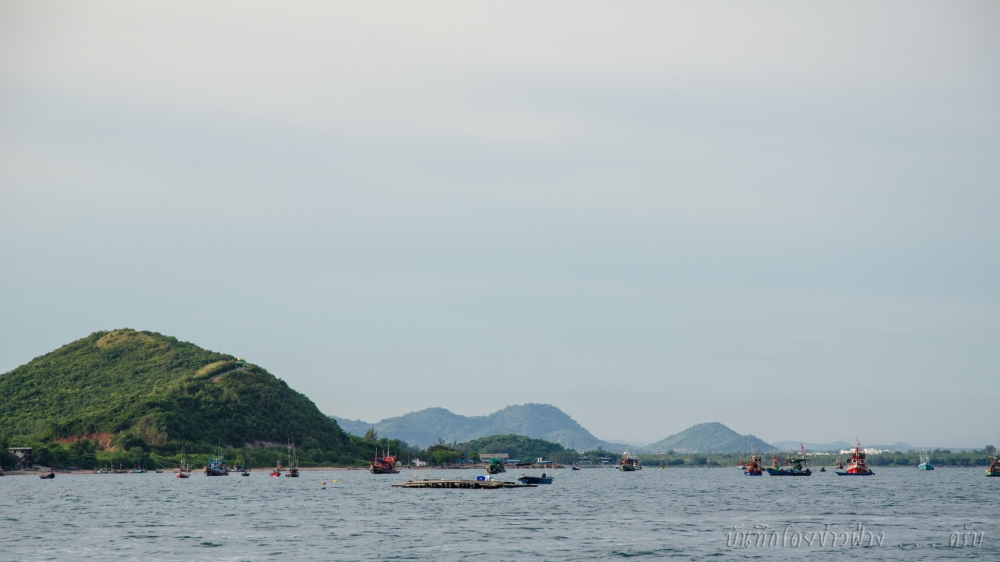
x=462, y=484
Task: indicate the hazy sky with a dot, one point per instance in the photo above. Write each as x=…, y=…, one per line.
x=779, y=216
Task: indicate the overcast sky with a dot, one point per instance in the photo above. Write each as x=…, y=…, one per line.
x=779, y=216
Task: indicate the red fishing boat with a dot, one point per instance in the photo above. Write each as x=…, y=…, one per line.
x=753, y=467
x=385, y=464
x=857, y=466
x=277, y=470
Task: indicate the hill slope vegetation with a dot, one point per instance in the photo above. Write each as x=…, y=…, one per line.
x=158, y=389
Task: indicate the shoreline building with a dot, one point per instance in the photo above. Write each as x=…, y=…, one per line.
x=24, y=458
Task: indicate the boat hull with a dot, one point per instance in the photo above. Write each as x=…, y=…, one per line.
x=925, y=466
x=534, y=480
x=753, y=474
x=48, y=476
x=993, y=473
x=779, y=472
x=855, y=473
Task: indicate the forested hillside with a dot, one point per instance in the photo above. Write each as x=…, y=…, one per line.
x=125, y=385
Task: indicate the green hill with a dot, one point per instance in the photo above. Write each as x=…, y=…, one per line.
x=707, y=438
x=518, y=447
x=538, y=421
x=145, y=385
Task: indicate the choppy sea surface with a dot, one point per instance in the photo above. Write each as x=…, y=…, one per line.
x=592, y=514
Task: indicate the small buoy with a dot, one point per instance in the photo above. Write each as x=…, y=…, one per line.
x=324, y=482
x=334, y=481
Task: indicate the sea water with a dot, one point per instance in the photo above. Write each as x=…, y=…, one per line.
x=592, y=514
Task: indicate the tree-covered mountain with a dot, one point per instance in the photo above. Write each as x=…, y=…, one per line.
x=518, y=447
x=144, y=385
x=707, y=438
x=538, y=421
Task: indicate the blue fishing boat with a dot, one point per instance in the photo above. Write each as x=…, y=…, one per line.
x=217, y=467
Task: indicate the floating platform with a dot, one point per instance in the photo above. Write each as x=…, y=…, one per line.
x=463, y=484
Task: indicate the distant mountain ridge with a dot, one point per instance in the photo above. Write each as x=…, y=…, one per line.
x=538, y=421
x=707, y=438
x=840, y=446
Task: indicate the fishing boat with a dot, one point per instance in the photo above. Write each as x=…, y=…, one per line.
x=158, y=470
x=495, y=466
x=994, y=467
x=793, y=467
x=384, y=464
x=925, y=463
x=857, y=466
x=742, y=465
x=217, y=467
x=48, y=475
x=629, y=463
x=184, y=471
x=277, y=471
x=293, y=463
x=543, y=479
x=574, y=467
x=754, y=467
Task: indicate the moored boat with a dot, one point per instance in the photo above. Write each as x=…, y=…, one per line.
x=384, y=464
x=48, y=475
x=185, y=470
x=925, y=463
x=217, y=467
x=277, y=471
x=857, y=466
x=994, y=467
x=629, y=463
x=293, y=463
x=495, y=466
x=794, y=466
x=543, y=479
x=754, y=467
